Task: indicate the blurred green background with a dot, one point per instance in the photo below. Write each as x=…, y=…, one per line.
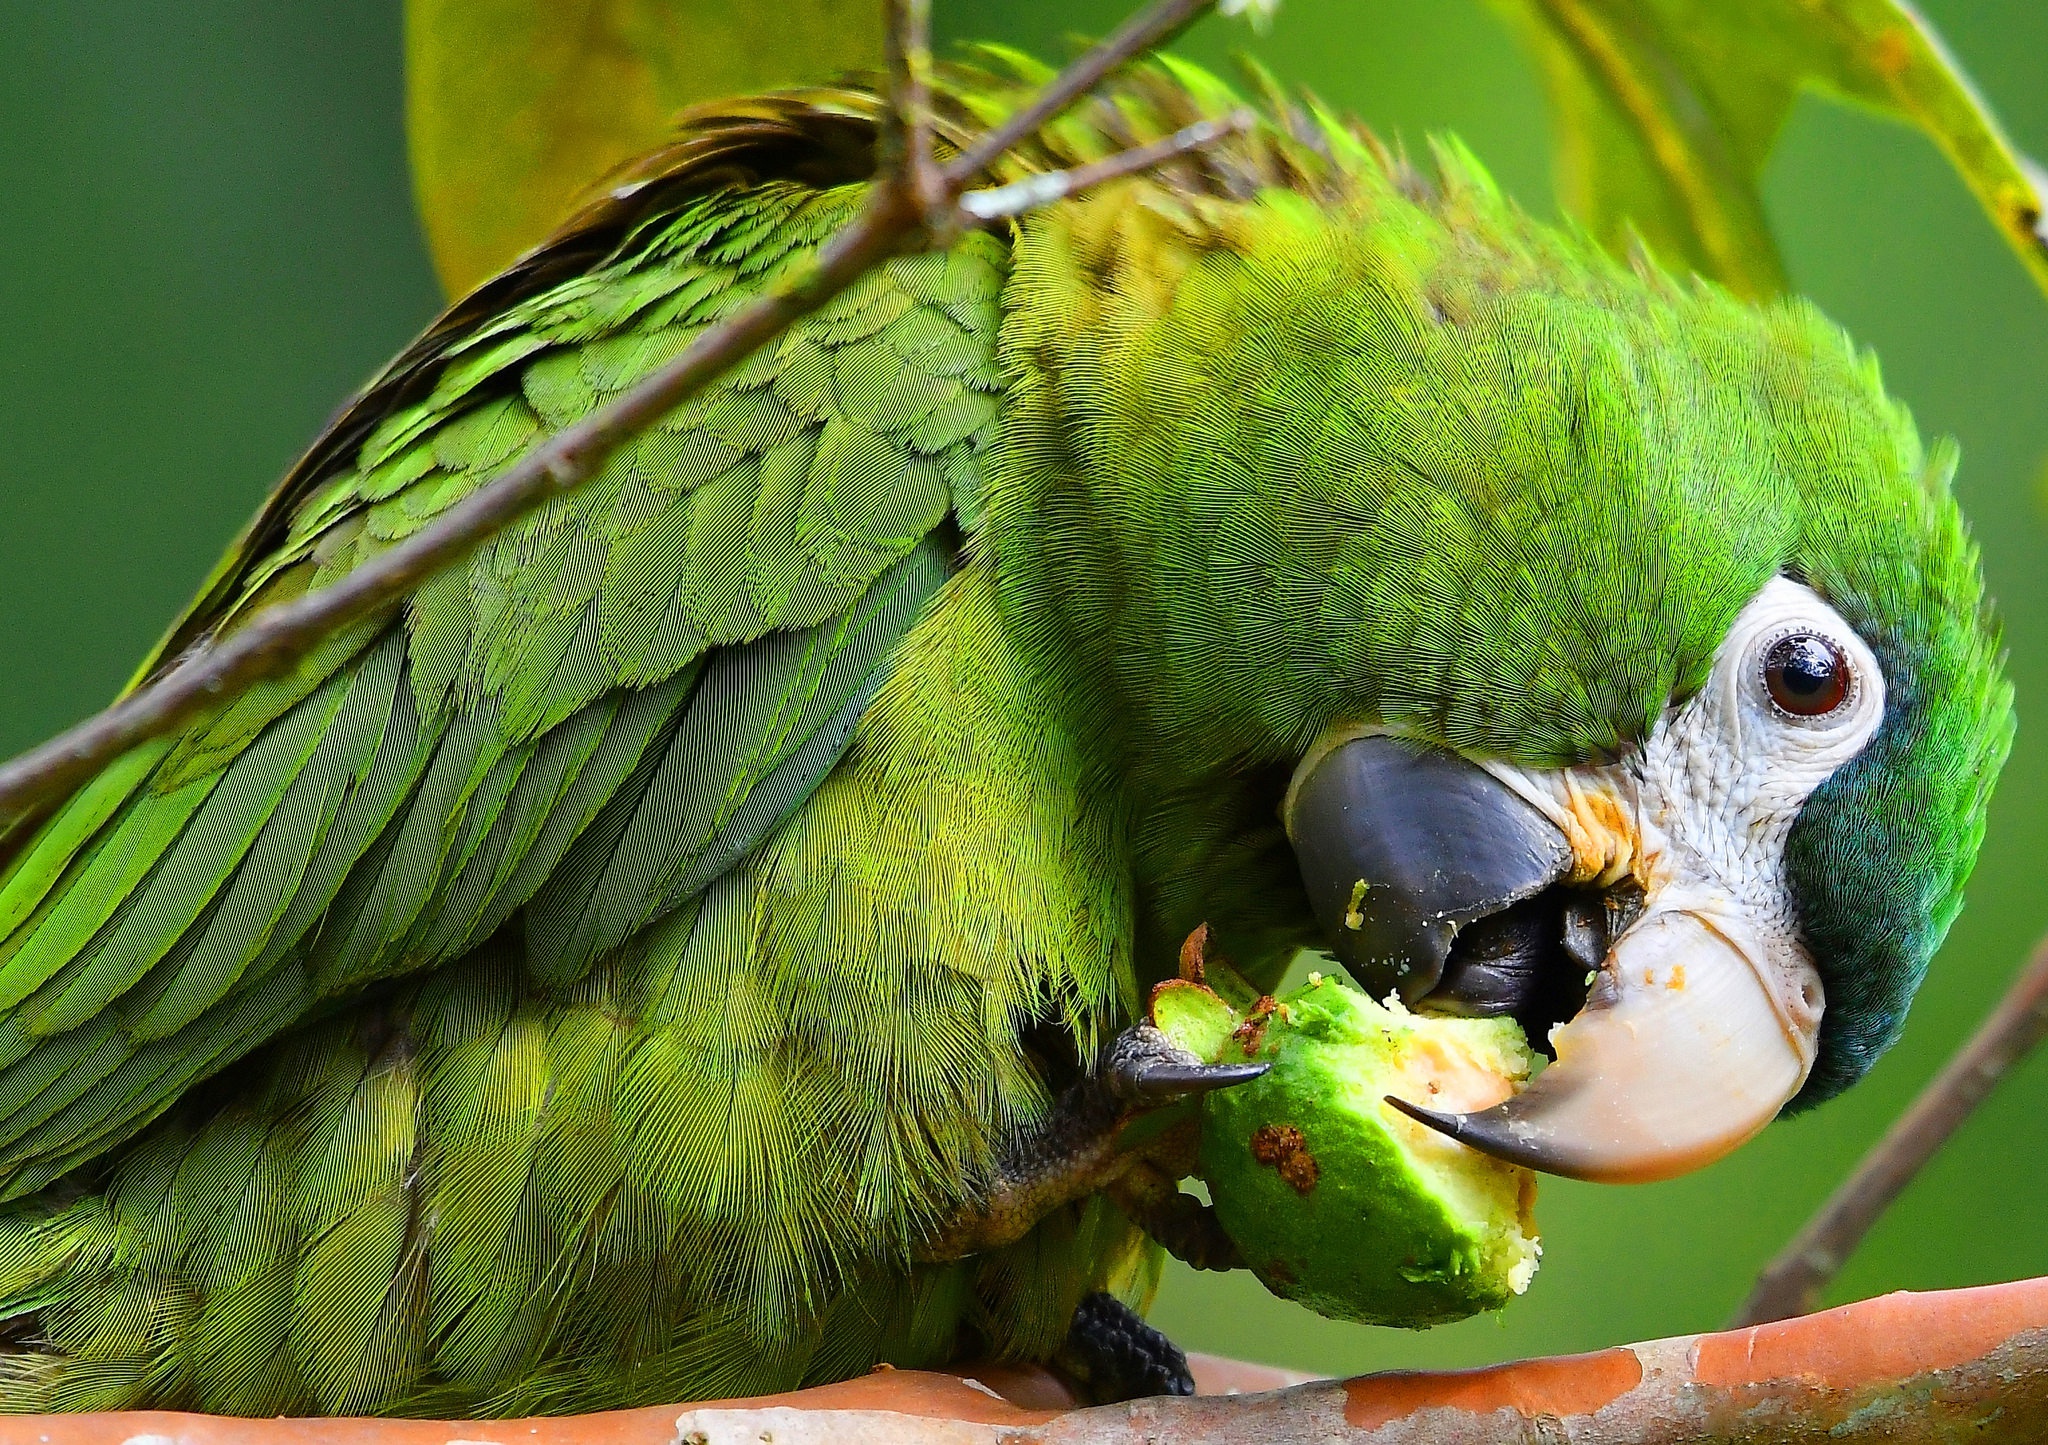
x=207, y=240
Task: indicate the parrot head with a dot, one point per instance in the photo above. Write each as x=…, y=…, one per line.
x=1621, y=644
x=1722, y=907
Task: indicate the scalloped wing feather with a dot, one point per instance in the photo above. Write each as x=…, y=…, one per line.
x=411, y=785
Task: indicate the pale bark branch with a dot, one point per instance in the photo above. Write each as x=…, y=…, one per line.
x=1792, y=1283
x=1906, y=1369
x=914, y=202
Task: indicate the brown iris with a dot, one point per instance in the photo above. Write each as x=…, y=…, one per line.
x=1806, y=675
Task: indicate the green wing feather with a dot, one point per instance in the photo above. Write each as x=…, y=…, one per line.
x=674, y=654
x=646, y=919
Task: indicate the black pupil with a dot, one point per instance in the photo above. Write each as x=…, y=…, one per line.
x=1806, y=664
x=1807, y=675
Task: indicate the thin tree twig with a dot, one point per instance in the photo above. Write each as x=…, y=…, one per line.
x=278, y=637
x=1144, y=31
x=1792, y=1283
x=1050, y=186
x=907, y=138
x=907, y=208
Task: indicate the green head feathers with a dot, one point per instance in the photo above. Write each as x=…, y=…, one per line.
x=1371, y=445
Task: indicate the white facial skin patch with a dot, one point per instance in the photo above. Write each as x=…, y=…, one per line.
x=1705, y=1017
x=1709, y=802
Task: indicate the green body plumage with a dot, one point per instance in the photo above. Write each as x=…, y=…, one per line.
x=586, y=986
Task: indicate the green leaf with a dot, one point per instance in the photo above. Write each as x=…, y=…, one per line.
x=1666, y=110
x=515, y=106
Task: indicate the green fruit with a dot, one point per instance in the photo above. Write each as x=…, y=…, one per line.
x=1337, y=1200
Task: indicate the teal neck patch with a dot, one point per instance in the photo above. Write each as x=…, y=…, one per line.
x=1879, y=856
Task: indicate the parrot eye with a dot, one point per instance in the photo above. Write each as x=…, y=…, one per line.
x=1806, y=675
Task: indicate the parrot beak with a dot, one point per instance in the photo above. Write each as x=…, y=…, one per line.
x=1402, y=846
x=1689, y=1043
x=1442, y=882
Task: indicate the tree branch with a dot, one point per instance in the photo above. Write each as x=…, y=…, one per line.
x=1792, y=1283
x=1144, y=31
x=907, y=137
x=913, y=203
x=1907, y=1369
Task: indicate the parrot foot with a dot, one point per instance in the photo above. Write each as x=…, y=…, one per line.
x=1077, y=1150
x=1183, y=1225
x=1112, y=1355
x=1071, y=1154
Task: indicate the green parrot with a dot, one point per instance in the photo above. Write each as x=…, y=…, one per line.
x=694, y=947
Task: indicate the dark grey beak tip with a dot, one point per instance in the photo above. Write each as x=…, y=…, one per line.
x=1452, y=1125
x=1488, y=1131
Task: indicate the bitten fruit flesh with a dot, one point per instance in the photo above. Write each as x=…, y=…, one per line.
x=1334, y=1198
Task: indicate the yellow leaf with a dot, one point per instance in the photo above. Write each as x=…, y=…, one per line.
x=1666, y=109
x=515, y=106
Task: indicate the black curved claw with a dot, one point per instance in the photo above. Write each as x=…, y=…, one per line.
x=1146, y=1069
x=1163, y=1083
